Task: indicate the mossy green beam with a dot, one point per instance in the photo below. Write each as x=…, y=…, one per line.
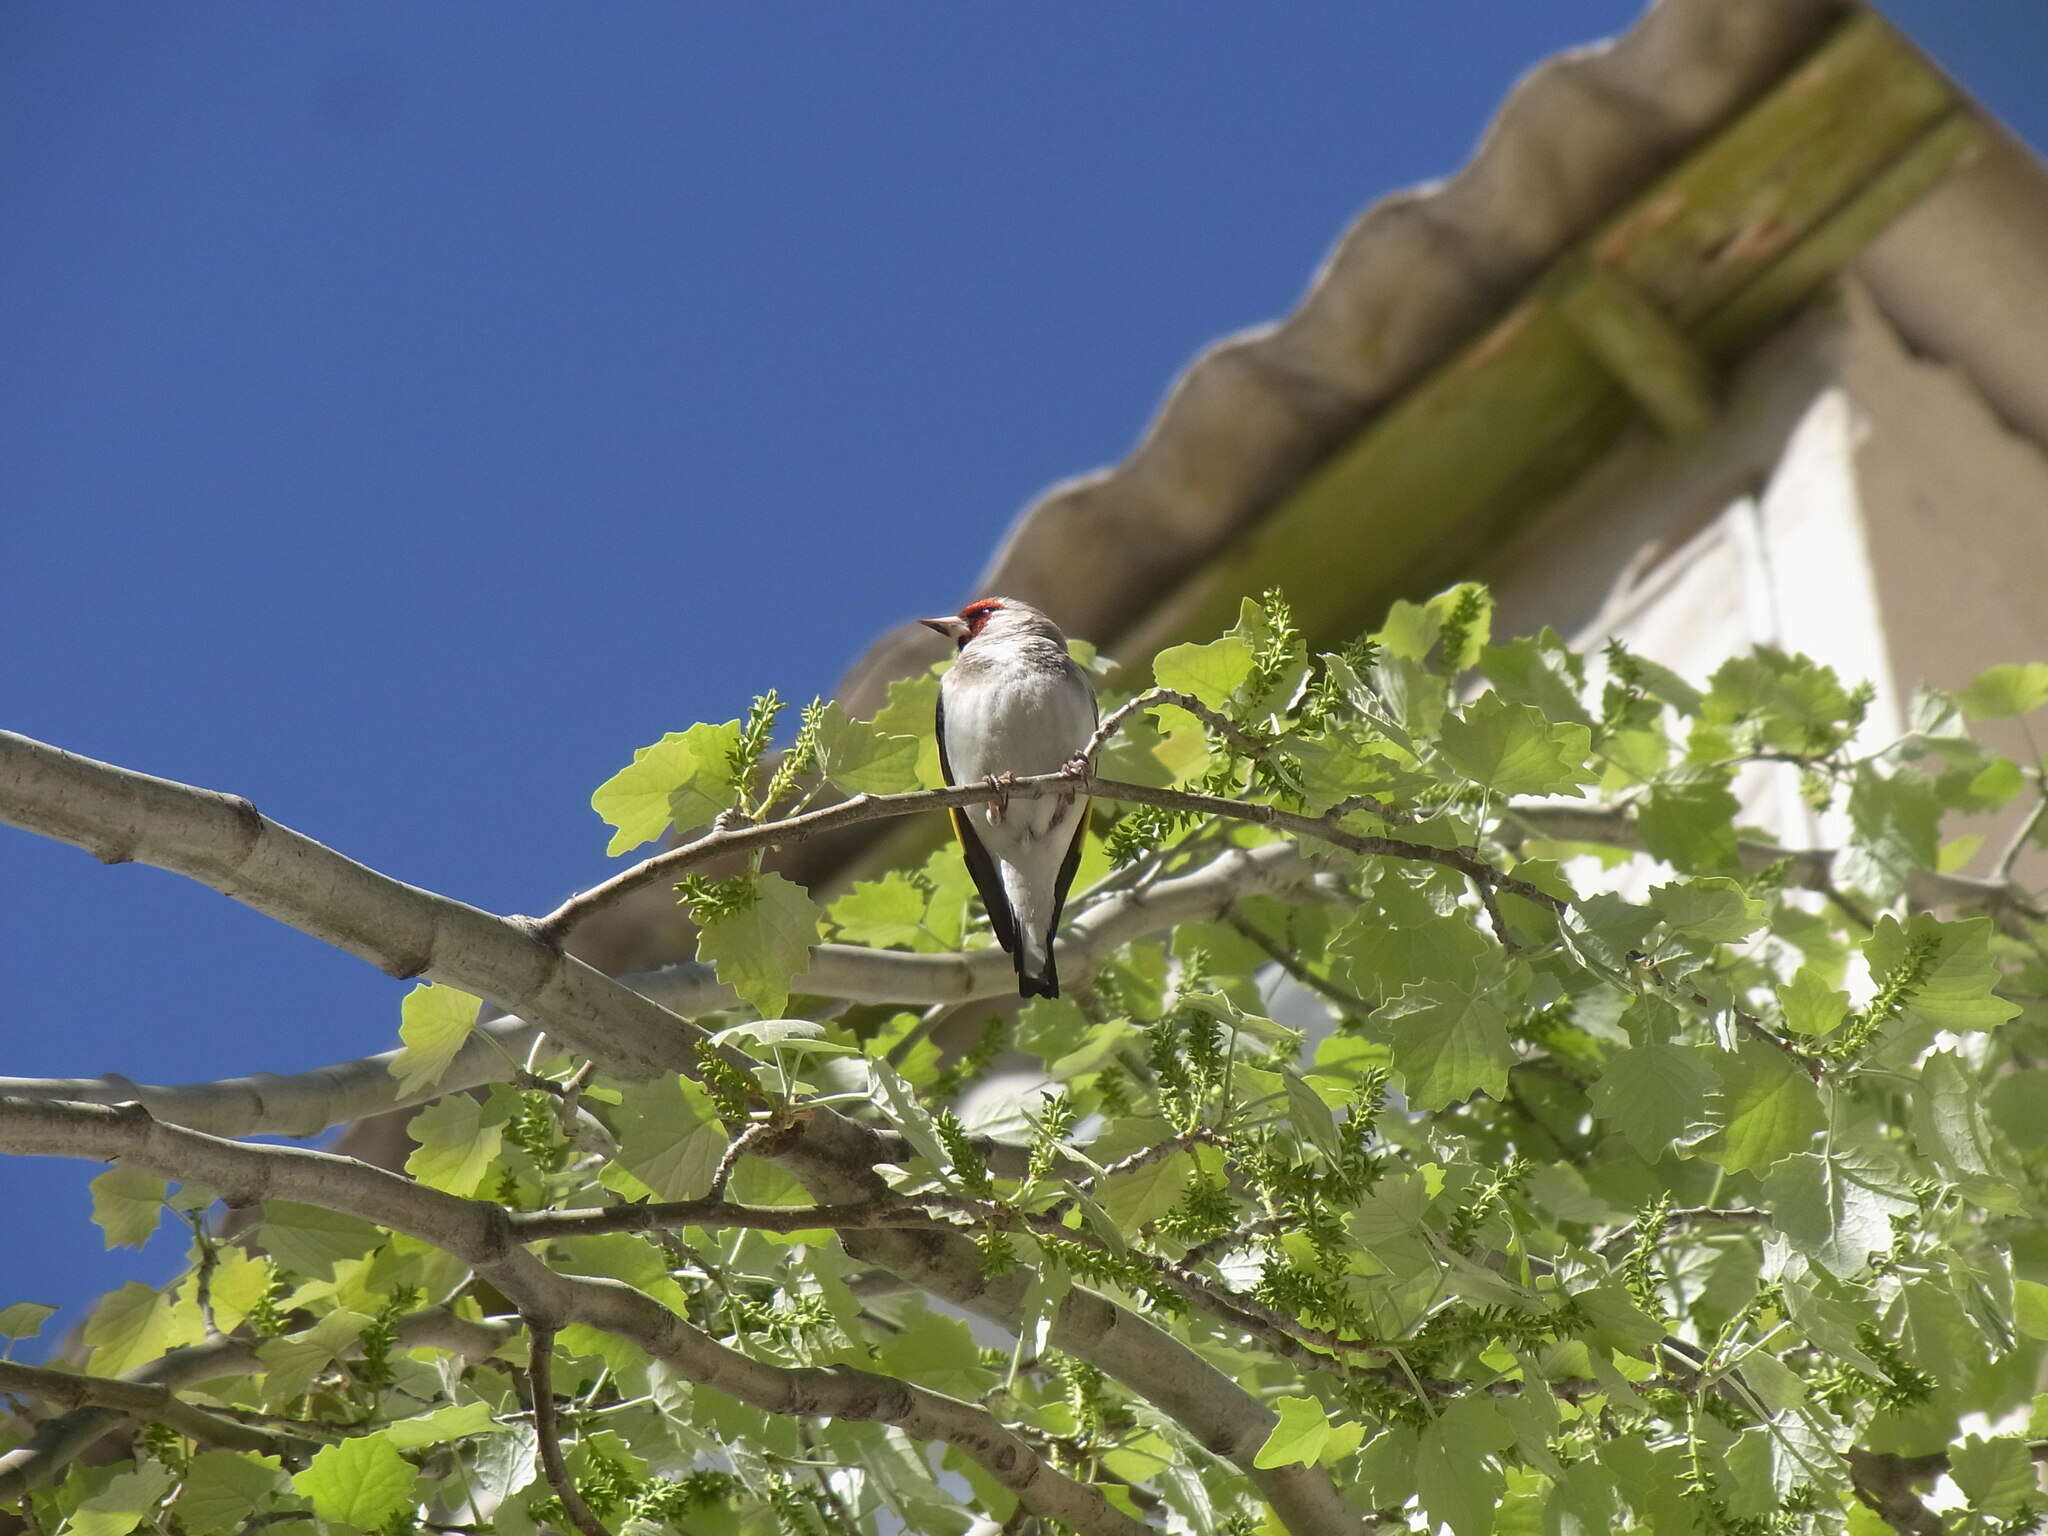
x=1649, y=356
x=1704, y=264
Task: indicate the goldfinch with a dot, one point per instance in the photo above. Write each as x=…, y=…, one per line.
x=1014, y=705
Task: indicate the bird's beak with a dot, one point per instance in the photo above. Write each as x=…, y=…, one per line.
x=951, y=628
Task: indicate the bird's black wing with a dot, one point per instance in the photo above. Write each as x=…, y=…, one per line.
x=1071, y=863
x=1065, y=882
x=979, y=864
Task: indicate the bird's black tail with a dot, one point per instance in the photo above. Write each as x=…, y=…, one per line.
x=1045, y=984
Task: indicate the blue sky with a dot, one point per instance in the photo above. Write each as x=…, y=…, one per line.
x=407, y=410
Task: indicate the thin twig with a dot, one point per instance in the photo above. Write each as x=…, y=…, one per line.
x=2018, y=844
x=722, y=1175
x=1493, y=915
x=540, y=1383
x=718, y=843
x=1245, y=741
x=1291, y=963
x=1692, y=1215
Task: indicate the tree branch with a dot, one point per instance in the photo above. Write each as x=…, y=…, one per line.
x=1291, y=963
x=223, y=841
x=148, y=1402
x=540, y=1382
x=1244, y=741
x=480, y=1235
x=1807, y=868
x=835, y=1159
x=307, y=1103
x=60, y=1441
x=722, y=841
x=714, y=1213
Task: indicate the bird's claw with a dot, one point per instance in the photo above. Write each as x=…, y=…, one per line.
x=999, y=795
x=1075, y=767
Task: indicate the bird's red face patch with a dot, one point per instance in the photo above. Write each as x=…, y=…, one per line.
x=976, y=616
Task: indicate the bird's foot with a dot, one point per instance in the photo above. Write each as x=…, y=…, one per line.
x=1075, y=767
x=999, y=796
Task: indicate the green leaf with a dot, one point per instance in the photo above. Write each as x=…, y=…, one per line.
x=1212, y=672
x=1410, y=630
x=434, y=1024
x=507, y=1463
x=222, y=1489
x=1405, y=936
x=2030, y=1308
x=758, y=951
x=453, y=1422
x=1614, y=1321
x=1144, y=1194
x=764, y=1037
x=1448, y=1044
x=1810, y=1005
x=1311, y=1116
x=24, y=1319
x=1611, y=929
x=912, y=711
x=308, y=1240
x=292, y=1362
x=456, y=1147
x=1795, y=703
x=1997, y=1474
x=124, y=1503
x=885, y=914
x=1998, y=692
x=1768, y=1109
x=1456, y=1478
x=684, y=779
x=1948, y=1118
x=1708, y=911
x=670, y=1137
x=127, y=1203
x=362, y=1482
x=1894, y=827
x=1834, y=1210
x=1690, y=826
x=135, y=1325
x=899, y=1106
x=1655, y=1094
x=862, y=760
x=1539, y=671
x=1512, y=750
x=1297, y=1439
x=1956, y=990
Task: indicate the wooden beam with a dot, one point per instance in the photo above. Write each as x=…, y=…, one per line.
x=1708, y=260
x=1650, y=357
x=1923, y=165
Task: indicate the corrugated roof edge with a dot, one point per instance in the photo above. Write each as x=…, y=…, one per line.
x=1418, y=273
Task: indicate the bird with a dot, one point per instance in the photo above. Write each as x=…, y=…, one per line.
x=1015, y=704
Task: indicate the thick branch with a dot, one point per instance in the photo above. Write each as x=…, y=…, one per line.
x=479, y=1234
x=1809, y=869
x=307, y=1103
x=223, y=841
x=713, y=1214
x=145, y=1401
x=225, y=844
